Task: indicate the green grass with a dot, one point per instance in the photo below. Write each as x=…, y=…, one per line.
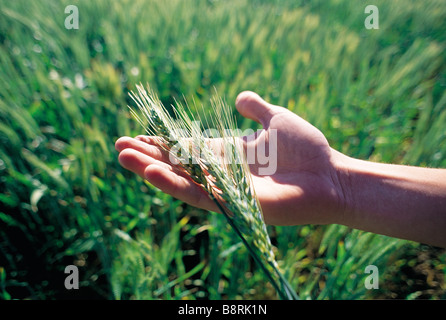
x=64, y=199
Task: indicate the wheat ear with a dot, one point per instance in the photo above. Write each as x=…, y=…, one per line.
x=227, y=179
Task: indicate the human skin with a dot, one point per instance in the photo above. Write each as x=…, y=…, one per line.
x=313, y=183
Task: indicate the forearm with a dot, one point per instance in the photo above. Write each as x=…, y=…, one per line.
x=399, y=201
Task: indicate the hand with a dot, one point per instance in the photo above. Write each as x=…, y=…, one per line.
x=304, y=188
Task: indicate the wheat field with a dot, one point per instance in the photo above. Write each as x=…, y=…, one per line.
x=65, y=200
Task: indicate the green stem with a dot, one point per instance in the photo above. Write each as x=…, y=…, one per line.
x=285, y=291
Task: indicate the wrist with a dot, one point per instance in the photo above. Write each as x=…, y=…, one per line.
x=343, y=179
x=394, y=200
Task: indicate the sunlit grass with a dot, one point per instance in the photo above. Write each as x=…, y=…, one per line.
x=65, y=199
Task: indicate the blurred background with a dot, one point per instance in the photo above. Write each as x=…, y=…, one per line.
x=65, y=200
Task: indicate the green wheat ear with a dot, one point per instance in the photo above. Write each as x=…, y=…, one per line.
x=227, y=180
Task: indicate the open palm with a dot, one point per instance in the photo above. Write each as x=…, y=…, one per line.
x=304, y=187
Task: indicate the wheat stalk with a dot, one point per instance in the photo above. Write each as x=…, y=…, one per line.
x=227, y=179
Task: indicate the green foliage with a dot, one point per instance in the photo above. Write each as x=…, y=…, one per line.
x=64, y=199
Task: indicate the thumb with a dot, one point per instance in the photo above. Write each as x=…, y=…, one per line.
x=252, y=106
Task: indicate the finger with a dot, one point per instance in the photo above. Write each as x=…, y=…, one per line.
x=137, y=162
x=142, y=144
x=252, y=106
x=153, y=140
x=215, y=144
x=179, y=187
